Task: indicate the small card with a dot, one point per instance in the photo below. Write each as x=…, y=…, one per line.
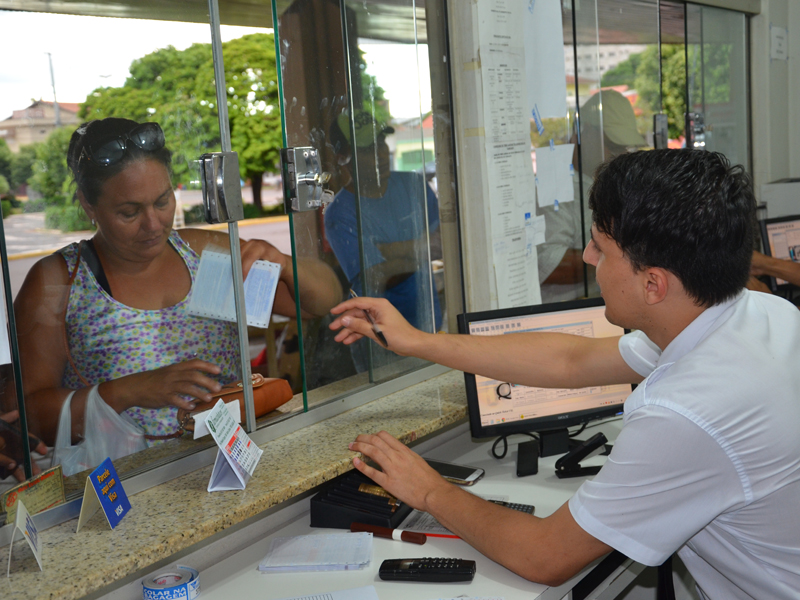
x=24, y=523
x=104, y=490
x=200, y=428
x=212, y=294
x=238, y=455
x=41, y=492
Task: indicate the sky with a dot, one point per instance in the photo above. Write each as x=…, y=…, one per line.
x=82, y=63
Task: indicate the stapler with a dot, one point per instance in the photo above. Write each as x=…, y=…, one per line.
x=569, y=464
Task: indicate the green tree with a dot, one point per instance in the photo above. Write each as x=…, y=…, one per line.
x=671, y=96
x=6, y=160
x=253, y=106
x=4, y=186
x=622, y=74
x=163, y=87
x=51, y=175
x=22, y=165
x=175, y=88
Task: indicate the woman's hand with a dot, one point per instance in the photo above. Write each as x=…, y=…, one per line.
x=167, y=386
x=11, y=448
x=253, y=250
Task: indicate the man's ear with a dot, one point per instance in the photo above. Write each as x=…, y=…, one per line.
x=656, y=285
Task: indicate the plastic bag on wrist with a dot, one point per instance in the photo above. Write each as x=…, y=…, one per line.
x=106, y=434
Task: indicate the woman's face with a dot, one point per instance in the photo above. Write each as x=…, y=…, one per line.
x=135, y=210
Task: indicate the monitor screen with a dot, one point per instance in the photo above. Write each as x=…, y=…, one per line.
x=499, y=407
x=782, y=239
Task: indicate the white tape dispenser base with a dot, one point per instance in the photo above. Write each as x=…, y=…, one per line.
x=179, y=583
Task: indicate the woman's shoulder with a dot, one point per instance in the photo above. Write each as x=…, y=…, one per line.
x=46, y=275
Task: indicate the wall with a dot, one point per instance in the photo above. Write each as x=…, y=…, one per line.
x=775, y=89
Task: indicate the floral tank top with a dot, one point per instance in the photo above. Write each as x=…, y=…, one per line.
x=108, y=340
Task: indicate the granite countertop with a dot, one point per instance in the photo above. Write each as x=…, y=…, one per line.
x=180, y=513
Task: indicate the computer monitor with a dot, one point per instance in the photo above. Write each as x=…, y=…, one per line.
x=498, y=408
x=781, y=237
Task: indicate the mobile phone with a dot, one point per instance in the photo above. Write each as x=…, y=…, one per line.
x=458, y=474
x=427, y=569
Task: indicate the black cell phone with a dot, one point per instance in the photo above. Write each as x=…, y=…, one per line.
x=427, y=569
x=458, y=474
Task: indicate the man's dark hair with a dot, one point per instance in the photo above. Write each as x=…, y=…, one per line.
x=687, y=211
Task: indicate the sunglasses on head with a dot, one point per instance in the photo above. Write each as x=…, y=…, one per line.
x=147, y=137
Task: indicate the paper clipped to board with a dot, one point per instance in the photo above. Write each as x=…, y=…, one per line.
x=212, y=293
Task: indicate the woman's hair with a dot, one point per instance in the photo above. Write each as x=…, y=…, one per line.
x=90, y=176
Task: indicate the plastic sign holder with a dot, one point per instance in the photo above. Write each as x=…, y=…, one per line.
x=24, y=523
x=238, y=455
x=104, y=490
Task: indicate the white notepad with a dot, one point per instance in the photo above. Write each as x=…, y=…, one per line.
x=362, y=593
x=212, y=295
x=323, y=552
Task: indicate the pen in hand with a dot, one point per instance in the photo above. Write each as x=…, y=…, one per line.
x=376, y=330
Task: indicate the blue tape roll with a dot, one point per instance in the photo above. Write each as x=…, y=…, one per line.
x=180, y=583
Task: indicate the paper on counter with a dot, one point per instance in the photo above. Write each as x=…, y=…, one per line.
x=322, y=552
x=362, y=593
x=554, y=174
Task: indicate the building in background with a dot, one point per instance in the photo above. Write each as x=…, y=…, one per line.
x=35, y=123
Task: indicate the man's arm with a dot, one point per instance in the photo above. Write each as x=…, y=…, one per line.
x=549, y=550
x=554, y=360
x=776, y=267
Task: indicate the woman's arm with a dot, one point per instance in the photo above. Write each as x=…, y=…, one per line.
x=320, y=289
x=38, y=309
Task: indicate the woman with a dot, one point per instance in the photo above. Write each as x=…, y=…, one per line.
x=125, y=327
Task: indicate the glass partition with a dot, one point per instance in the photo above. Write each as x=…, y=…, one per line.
x=356, y=88
x=104, y=238
x=349, y=79
x=716, y=46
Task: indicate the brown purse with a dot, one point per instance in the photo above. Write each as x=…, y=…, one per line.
x=268, y=394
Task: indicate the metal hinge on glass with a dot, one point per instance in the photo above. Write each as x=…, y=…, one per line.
x=303, y=180
x=222, y=188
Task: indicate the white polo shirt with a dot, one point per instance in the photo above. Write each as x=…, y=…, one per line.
x=708, y=459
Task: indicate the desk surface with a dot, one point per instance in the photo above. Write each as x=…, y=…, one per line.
x=237, y=576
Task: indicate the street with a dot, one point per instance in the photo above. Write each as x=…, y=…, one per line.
x=27, y=240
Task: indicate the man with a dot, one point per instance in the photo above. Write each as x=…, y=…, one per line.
x=608, y=129
x=394, y=207
x=708, y=459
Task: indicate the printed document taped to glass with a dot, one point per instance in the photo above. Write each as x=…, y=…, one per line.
x=212, y=294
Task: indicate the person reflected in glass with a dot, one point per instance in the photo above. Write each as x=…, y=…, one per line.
x=123, y=320
x=608, y=129
x=781, y=268
x=394, y=207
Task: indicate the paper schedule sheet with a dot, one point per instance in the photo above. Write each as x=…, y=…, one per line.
x=212, y=293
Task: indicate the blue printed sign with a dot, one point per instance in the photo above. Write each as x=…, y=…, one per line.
x=103, y=487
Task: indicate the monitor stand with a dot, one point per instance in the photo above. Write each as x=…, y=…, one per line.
x=554, y=442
